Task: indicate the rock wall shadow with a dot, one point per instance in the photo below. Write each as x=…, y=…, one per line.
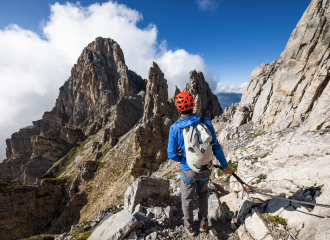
x=70, y=214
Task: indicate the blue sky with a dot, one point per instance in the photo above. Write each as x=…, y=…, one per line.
x=40, y=40
x=233, y=37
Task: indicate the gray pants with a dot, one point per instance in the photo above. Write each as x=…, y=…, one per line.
x=188, y=192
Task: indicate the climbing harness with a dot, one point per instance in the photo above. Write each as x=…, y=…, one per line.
x=245, y=186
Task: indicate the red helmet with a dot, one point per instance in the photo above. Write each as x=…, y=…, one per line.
x=184, y=101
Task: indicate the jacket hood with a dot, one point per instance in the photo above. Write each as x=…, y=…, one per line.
x=193, y=120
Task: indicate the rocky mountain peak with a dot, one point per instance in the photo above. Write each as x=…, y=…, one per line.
x=176, y=91
x=207, y=104
x=156, y=92
x=97, y=82
x=295, y=89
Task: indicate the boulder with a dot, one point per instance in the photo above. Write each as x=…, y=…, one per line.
x=216, y=212
x=146, y=187
x=241, y=232
x=118, y=226
x=232, y=203
x=317, y=223
x=87, y=170
x=276, y=206
x=256, y=226
x=245, y=209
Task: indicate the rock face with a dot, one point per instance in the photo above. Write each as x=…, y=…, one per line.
x=31, y=210
x=295, y=88
x=151, y=135
x=206, y=103
x=156, y=93
x=129, y=111
x=99, y=81
x=33, y=150
x=144, y=188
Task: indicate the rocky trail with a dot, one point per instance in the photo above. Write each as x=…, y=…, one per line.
x=151, y=212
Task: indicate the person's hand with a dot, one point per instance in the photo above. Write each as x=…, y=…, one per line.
x=228, y=170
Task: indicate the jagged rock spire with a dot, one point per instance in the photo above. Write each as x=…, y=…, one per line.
x=156, y=92
x=207, y=104
x=176, y=91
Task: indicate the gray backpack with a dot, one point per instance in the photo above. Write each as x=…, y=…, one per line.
x=198, y=144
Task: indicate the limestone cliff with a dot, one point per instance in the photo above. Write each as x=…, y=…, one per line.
x=27, y=210
x=295, y=88
x=151, y=135
x=99, y=81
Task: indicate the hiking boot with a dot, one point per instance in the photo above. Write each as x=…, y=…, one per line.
x=203, y=228
x=191, y=231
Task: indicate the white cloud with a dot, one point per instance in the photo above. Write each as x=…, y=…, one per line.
x=229, y=88
x=33, y=67
x=206, y=5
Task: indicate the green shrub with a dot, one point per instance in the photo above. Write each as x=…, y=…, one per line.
x=170, y=175
x=279, y=220
x=220, y=172
x=261, y=177
x=264, y=155
x=85, y=235
x=254, y=135
x=233, y=165
x=320, y=126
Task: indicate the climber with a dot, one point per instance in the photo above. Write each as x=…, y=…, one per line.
x=196, y=134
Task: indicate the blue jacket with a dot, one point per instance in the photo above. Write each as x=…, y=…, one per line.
x=176, y=139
